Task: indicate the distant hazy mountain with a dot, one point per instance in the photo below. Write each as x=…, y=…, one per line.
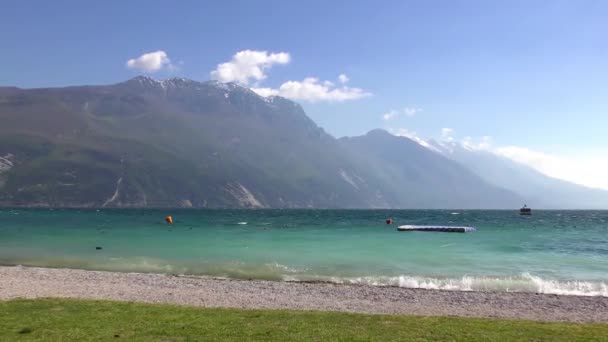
x=185, y=143
x=415, y=177
x=537, y=189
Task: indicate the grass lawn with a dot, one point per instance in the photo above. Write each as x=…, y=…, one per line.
x=84, y=320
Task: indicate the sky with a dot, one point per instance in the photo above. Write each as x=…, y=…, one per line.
x=524, y=79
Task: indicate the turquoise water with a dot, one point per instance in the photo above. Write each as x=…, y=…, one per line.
x=563, y=252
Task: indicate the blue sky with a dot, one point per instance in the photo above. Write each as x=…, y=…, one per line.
x=531, y=75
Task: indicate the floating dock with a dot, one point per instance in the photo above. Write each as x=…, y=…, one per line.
x=447, y=229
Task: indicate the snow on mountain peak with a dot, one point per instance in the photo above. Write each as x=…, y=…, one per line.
x=145, y=80
x=227, y=88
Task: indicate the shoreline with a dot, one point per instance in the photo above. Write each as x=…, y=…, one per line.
x=34, y=282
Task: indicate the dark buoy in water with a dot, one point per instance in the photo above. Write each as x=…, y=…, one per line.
x=169, y=219
x=98, y=248
x=389, y=221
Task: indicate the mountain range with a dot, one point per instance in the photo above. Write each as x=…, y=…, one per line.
x=535, y=187
x=183, y=143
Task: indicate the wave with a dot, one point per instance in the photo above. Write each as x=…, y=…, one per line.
x=226, y=269
x=525, y=282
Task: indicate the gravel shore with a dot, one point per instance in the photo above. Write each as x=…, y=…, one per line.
x=31, y=282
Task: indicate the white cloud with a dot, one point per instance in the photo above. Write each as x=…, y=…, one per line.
x=150, y=62
x=485, y=143
x=403, y=132
x=408, y=111
x=589, y=171
x=446, y=134
x=390, y=114
x=312, y=90
x=250, y=65
x=343, y=79
x=247, y=65
x=265, y=92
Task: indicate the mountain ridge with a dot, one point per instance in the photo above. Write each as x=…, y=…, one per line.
x=212, y=131
x=184, y=143
x=537, y=188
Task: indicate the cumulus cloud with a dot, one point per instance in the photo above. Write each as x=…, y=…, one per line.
x=150, y=62
x=312, y=90
x=248, y=65
x=408, y=111
x=265, y=92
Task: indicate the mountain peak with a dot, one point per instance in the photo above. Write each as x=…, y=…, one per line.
x=147, y=81
x=178, y=81
x=378, y=132
x=143, y=80
x=280, y=100
x=227, y=88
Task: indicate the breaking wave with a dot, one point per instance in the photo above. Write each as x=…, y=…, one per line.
x=524, y=283
x=277, y=272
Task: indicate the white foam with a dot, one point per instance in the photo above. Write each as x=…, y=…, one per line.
x=524, y=283
x=579, y=288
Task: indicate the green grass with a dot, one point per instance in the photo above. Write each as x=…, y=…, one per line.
x=76, y=320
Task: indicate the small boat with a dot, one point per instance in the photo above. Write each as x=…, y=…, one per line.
x=446, y=229
x=525, y=210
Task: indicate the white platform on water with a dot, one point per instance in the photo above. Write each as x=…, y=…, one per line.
x=447, y=229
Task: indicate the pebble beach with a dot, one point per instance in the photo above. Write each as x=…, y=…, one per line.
x=31, y=282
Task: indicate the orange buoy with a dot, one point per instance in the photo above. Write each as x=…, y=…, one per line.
x=389, y=221
x=169, y=219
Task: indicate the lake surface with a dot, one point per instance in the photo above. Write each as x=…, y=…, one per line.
x=561, y=252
